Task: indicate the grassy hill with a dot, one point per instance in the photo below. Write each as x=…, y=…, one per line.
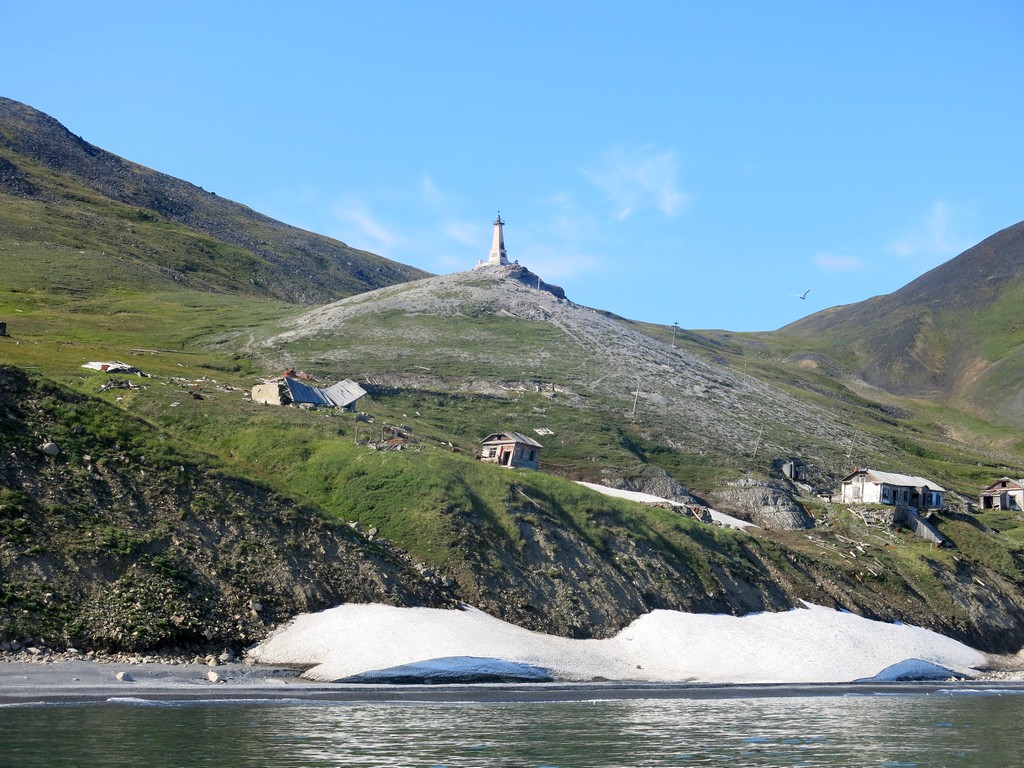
x=177, y=505
x=132, y=226
x=954, y=335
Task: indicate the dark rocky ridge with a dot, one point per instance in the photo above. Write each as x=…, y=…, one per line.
x=308, y=268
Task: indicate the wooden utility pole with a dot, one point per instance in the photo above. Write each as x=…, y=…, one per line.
x=758, y=443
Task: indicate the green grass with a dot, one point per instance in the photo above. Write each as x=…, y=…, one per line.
x=105, y=281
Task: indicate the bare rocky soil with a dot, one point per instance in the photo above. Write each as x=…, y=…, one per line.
x=702, y=406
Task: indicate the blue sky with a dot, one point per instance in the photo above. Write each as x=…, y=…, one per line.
x=692, y=162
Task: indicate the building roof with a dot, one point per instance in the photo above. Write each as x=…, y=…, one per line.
x=344, y=392
x=1017, y=484
x=893, y=478
x=339, y=395
x=513, y=437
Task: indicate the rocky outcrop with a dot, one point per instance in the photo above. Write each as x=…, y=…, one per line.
x=648, y=479
x=764, y=503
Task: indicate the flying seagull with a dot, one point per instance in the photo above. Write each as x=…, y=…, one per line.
x=801, y=295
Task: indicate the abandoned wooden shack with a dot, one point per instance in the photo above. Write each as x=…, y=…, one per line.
x=1004, y=493
x=511, y=449
x=290, y=391
x=871, y=486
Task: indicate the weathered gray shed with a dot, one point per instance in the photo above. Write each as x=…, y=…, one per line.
x=511, y=449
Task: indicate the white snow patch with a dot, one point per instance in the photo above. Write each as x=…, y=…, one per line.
x=804, y=645
x=910, y=669
x=649, y=498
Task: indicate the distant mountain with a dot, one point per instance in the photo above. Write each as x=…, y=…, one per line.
x=955, y=334
x=68, y=188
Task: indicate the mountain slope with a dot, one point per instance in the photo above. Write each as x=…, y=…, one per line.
x=955, y=334
x=60, y=190
x=127, y=528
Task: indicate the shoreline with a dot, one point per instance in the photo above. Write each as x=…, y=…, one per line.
x=81, y=681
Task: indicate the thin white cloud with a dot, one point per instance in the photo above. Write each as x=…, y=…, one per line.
x=465, y=233
x=836, y=263
x=635, y=178
x=432, y=194
x=560, y=245
x=554, y=263
x=382, y=239
x=932, y=236
x=449, y=262
x=429, y=228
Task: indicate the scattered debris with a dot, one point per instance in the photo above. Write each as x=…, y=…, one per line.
x=115, y=367
x=118, y=384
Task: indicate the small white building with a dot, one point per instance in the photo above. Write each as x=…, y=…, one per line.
x=511, y=449
x=871, y=486
x=1004, y=493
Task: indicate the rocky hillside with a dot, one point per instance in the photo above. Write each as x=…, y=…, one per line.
x=114, y=538
x=510, y=333
x=64, y=187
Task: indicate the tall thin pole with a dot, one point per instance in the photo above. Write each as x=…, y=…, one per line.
x=758, y=443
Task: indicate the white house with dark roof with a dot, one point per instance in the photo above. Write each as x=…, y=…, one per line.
x=872, y=486
x=511, y=449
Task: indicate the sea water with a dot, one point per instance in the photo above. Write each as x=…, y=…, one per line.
x=934, y=729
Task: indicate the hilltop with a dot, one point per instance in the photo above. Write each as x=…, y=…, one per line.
x=176, y=496
x=489, y=332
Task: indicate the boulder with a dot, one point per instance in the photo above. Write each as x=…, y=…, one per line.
x=765, y=503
